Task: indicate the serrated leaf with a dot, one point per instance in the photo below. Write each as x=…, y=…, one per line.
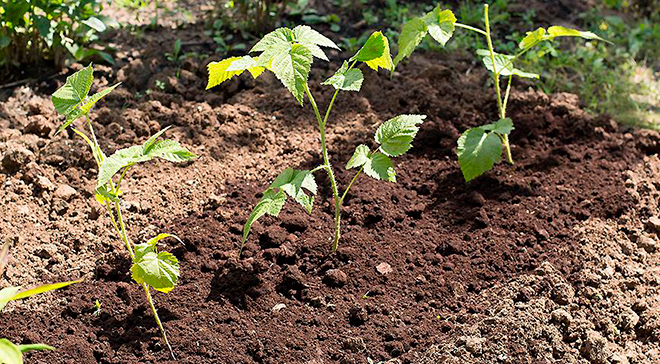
x=379, y=166
x=103, y=195
x=502, y=126
x=91, y=101
x=169, y=150
x=10, y=353
x=375, y=52
x=218, y=72
x=141, y=249
x=246, y=63
x=74, y=91
x=359, y=158
x=293, y=181
x=159, y=271
x=271, y=203
x=305, y=34
x=412, y=33
x=533, y=38
x=440, y=24
x=396, y=135
x=292, y=69
x=149, y=144
x=478, y=151
x=503, y=64
x=346, y=79
x=117, y=161
x=273, y=39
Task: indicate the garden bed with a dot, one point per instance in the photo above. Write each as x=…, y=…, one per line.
x=551, y=259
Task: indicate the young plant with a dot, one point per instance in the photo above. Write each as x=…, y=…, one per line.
x=151, y=269
x=11, y=353
x=289, y=53
x=480, y=148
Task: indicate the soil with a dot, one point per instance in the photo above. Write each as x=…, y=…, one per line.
x=551, y=260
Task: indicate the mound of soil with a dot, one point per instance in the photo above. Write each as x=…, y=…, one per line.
x=553, y=259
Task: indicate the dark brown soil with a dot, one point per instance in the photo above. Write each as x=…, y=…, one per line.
x=480, y=272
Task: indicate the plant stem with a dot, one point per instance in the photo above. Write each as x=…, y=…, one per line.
x=351, y=184
x=496, y=73
x=470, y=28
x=160, y=324
x=496, y=78
x=326, y=162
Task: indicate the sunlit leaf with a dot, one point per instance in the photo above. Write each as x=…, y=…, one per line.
x=346, y=79
x=375, y=52
x=396, y=135
x=359, y=158
x=379, y=166
x=159, y=271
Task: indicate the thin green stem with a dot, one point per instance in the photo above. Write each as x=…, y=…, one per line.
x=496, y=75
x=506, y=96
x=123, y=234
x=326, y=162
x=122, y=177
x=160, y=324
x=318, y=168
x=465, y=26
x=351, y=184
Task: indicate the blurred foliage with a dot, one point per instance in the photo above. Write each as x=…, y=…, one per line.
x=32, y=31
x=253, y=17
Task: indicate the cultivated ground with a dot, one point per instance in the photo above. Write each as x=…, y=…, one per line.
x=552, y=260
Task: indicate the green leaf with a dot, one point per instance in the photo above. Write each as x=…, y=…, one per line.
x=305, y=34
x=502, y=126
x=275, y=39
x=94, y=23
x=379, y=166
x=440, y=24
x=74, y=91
x=412, y=33
x=271, y=203
x=159, y=271
x=396, y=135
x=559, y=31
x=5, y=41
x=153, y=241
x=503, y=64
x=346, y=79
x=10, y=353
x=34, y=347
x=169, y=150
x=292, y=69
x=43, y=25
x=375, y=52
x=104, y=196
x=218, y=72
x=533, y=38
x=478, y=151
x=7, y=294
x=141, y=249
x=117, y=161
x=91, y=101
x=42, y=289
x=293, y=181
x=246, y=63
x=360, y=157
